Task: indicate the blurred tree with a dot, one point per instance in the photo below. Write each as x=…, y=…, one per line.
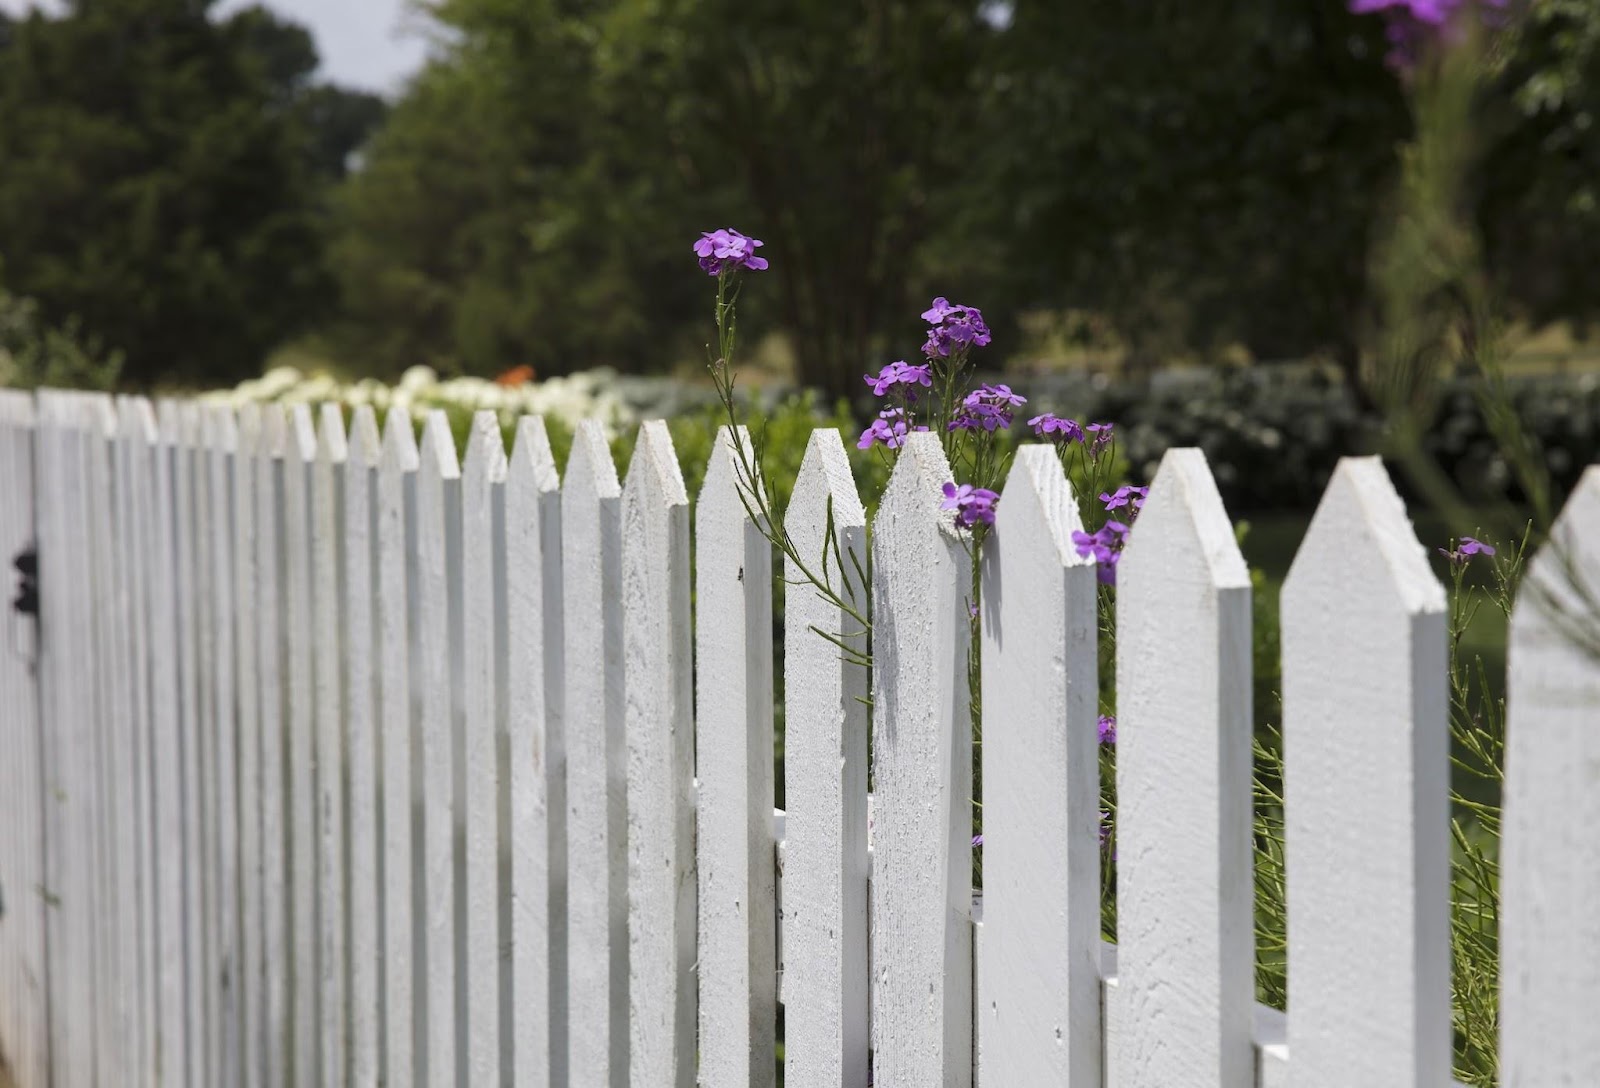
x=534, y=198
x=160, y=181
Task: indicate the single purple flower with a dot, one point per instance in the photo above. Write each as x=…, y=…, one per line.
x=890, y=428
x=1466, y=549
x=1415, y=24
x=897, y=373
x=727, y=250
x=971, y=504
x=1097, y=436
x=977, y=840
x=1108, y=729
x=1063, y=430
x=1105, y=830
x=1126, y=495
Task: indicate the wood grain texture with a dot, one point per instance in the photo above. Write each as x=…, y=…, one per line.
x=222, y=445
x=365, y=927
x=825, y=978
x=597, y=765
x=400, y=781
x=243, y=483
x=1550, y=876
x=1366, y=746
x=1038, y=984
x=922, y=753
x=658, y=669
x=301, y=787
x=272, y=631
x=438, y=596
x=327, y=629
x=537, y=761
x=1185, y=914
x=734, y=738
x=482, y=528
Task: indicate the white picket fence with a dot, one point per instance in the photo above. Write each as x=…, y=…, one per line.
x=332, y=761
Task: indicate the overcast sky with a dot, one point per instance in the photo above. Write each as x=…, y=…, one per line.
x=371, y=44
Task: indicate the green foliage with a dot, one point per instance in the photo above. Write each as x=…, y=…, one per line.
x=161, y=186
x=34, y=354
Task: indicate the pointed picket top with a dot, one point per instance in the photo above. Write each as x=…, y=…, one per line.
x=537, y=752
x=659, y=731
x=590, y=467
x=249, y=429
x=734, y=745
x=1038, y=499
x=532, y=463
x=1184, y=502
x=1366, y=744
x=1361, y=513
x=166, y=421
x=824, y=952
x=654, y=469
x=1039, y=979
x=1183, y=786
x=824, y=477
x=366, y=444
x=486, y=449
x=274, y=432
x=437, y=449
x=400, y=443
x=921, y=909
x=223, y=427
x=597, y=760
x=332, y=445
x=1550, y=856
x=100, y=414
x=724, y=479
x=300, y=436
x=16, y=407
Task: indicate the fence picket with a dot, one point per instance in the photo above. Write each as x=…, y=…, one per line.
x=25, y=1000
x=222, y=448
x=136, y=483
x=1550, y=859
x=1185, y=992
x=922, y=754
x=326, y=539
x=273, y=634
x=208, y=726
x=364, y=931
x=825, y=775
x=597, y=858
x=1366, y=794
x=303, y=799
x=104, y=669
x=537, y=762
x=253, y=1026
x=482, y=492
x=734, y=741
x=1039, y=976
x=659, y=717
x=403, y=1024
x=438, y=573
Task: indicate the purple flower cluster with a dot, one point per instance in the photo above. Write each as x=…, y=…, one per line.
x=1054, y=426
x=1127, y=495
x=890, y=428
x=1094, y=437
x=988, y=408
x=1108, y=729
x=1465, y=549
x=971, y=504
x=726, y=250
x=953, y=328
x=900, y=373
x=1105, y=544
x=1415, y=23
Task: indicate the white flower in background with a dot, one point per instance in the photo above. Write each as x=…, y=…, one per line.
x=569, y=399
